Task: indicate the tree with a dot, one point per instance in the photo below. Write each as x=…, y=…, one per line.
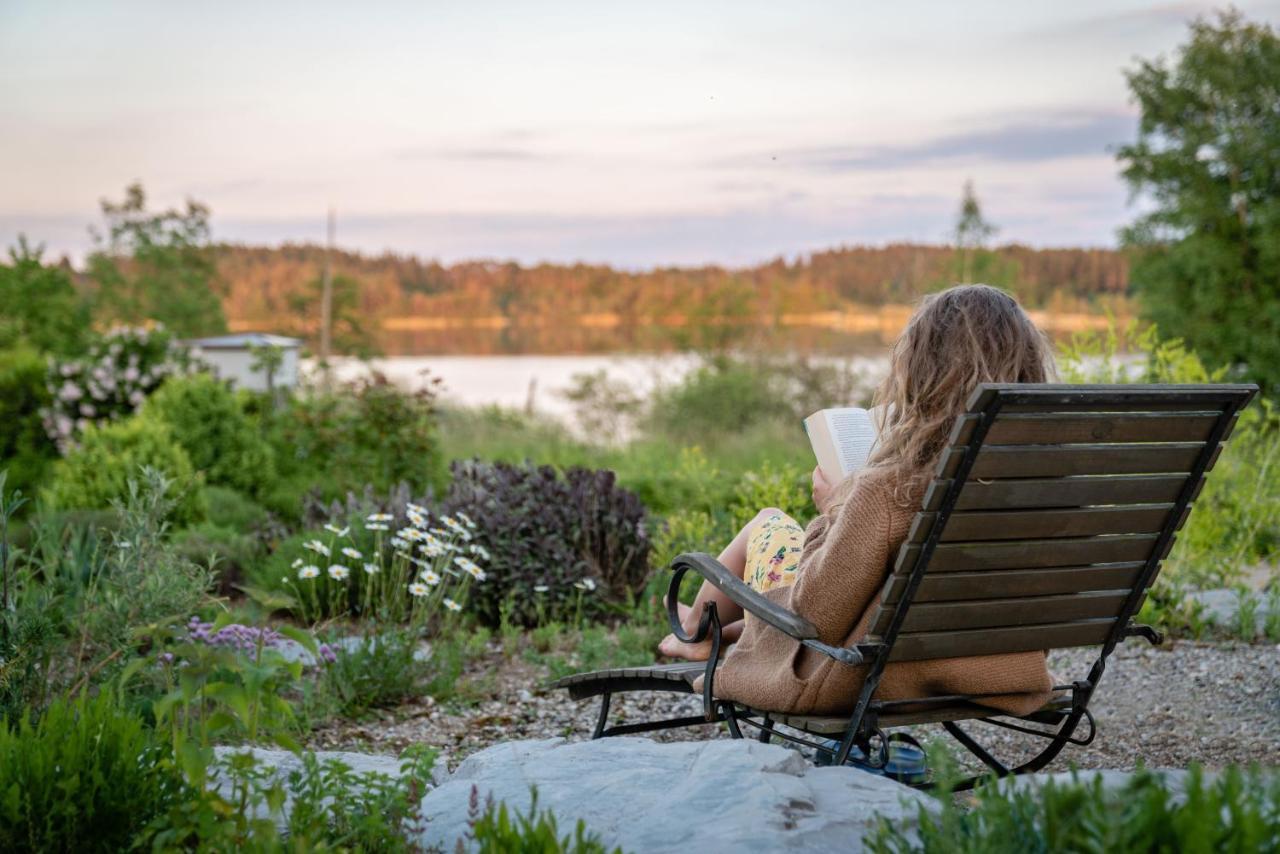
x=39, y=304
x=349, y=334
x=157, y=266
x=1206, y=259
x=972, y=231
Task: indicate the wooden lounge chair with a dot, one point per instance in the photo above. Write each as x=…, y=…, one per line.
x=1043, y=528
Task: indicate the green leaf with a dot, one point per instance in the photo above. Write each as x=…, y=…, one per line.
x=304, y=638
x=272, y=600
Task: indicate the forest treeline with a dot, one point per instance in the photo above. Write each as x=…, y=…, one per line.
x=279, y=287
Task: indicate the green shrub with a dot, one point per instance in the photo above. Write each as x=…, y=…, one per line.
x=722, y=395
x=384, y=669
x=85, y=776
x=231, y=509
x=499, y=831
x=41, y=306
x=25, y=448
x=1236, y=520
x=366, y=433
x=1233, y=811
x=224, y=551
x=551, y=539
x=205, y=419
x=97, y=473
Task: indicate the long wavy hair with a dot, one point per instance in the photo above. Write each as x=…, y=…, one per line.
x=965, y=335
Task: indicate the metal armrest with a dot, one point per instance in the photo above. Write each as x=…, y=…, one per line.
x=739, y=592
x=1153, y=636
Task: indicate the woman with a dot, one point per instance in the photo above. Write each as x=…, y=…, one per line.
x=832, y=573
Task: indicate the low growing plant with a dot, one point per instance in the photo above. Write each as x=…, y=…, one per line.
x=496, y=830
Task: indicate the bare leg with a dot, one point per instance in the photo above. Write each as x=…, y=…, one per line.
x=734, y=558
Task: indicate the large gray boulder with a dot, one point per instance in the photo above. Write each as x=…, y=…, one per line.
x=645, y=796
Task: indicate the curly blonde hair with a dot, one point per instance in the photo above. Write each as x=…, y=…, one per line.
x=965, y=335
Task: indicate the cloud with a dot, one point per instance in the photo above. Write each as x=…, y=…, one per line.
x=1127, y=23
x=1051, y=136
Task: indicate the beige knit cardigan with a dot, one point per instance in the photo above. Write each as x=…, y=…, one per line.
x=848, y=552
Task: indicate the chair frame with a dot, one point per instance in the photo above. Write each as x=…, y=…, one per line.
x=864, y=722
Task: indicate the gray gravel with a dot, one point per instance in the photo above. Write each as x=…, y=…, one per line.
x=1216, y=704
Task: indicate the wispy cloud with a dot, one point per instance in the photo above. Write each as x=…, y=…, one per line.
x=1023, y=139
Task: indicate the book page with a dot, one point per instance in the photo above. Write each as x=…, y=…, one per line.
x=854, y=436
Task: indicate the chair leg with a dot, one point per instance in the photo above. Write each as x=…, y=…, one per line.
x=1059, y=740
x=766, y=730
x=730, y=717
x=976, y=749
x=604, y=715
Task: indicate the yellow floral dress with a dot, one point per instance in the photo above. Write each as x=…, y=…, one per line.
x=773, y=552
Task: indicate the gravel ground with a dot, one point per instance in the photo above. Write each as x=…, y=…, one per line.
x=1216, y=704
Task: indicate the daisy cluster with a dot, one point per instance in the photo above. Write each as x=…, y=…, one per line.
x=111, y=381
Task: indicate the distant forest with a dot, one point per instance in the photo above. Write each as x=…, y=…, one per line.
x=278, y=288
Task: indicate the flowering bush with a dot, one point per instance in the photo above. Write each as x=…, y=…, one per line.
x=111, y=381
x=553, y=541
x=372, y=568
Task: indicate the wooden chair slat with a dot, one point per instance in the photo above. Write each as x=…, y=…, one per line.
x=915, y=646
x=995, y=613
x=1062, y=460
x=1044, y=524
x=1010, y=583
x=1076, y=491
x=1030, y=554
x=1054, y=428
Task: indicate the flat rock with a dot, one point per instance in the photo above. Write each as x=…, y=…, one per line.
x=646, y=796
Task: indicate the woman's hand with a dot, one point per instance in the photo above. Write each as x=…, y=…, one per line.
x=822, y=489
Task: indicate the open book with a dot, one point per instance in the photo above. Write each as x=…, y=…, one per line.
x=842, y=439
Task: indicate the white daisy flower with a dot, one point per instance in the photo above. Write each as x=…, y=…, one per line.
x=466, y=520
x=430, y=577
x=334, y=529
x=338, y=572
x=452, y=605
x=309, y=571
x=372, y=569
x=399, y=543
x=411, y=534
x=587, y=584
x=417, y=588
x=417, y=518
x=296, y=563
x=416, y=508
x=540, y=588
x=468, y=566
x=352, y=553
x=479, y=551
x=317, y=547
x=379, y=517
x=376, y=526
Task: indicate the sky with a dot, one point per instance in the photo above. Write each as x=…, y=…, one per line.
x=635, y=134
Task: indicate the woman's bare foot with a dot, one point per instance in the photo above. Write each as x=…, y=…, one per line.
x=673, y=647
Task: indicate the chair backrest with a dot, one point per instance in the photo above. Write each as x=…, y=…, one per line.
x=1049, y=514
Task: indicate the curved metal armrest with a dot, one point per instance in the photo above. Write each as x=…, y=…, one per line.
x=738, y=592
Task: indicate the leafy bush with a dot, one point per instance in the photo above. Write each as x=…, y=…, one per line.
x=1236, y=521
x=499, y=831
x=111, y=381
x=25, y=449
x=231, y=509
x=85, y=776
x=41, y=306
x=368, y=432
x=144, y=580
x=549, y=538
x=224, y=551
x=1235, y=811
x=205, y=419
x=98, y=472
x=384, y=669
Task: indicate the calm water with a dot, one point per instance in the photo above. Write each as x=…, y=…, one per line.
x=539, y=382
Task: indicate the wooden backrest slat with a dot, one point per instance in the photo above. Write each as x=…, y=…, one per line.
x=996, y=613
x=1013, y=583
x=1058, y=428
x=913, y=646
x=1028, y=554
x=1078, y=491
x=1044, y=524
x=1062, y=460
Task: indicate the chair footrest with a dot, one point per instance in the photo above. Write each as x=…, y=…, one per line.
x=677, y=678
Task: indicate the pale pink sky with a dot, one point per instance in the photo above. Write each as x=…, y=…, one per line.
x=637, y=134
